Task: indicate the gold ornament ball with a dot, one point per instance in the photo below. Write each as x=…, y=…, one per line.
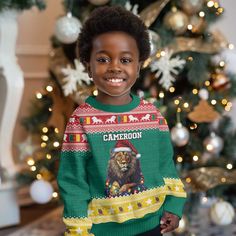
x=192, y=6
x=177, y=21
x=183, y=225
x=198, y=24
x=98, y=2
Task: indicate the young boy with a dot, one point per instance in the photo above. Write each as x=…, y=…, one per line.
x=116, y=175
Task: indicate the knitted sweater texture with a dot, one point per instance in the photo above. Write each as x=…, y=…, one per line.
x=116, y=174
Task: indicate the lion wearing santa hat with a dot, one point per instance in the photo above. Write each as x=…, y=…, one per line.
x=124, y=173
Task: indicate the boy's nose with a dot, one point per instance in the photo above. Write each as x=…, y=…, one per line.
x=114, y=67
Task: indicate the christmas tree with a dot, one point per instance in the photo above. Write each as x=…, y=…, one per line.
x=184, y=77
x=22, y=5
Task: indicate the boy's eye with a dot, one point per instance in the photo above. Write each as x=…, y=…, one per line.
x=125, y=60
x=103, y=59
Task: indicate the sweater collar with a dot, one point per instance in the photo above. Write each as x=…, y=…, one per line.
x=91, y=100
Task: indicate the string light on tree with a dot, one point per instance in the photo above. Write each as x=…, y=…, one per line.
x=161, y=95
x=56, y=144
x=33, y=168
x=48, y=156
x=49, y=88
x=229, y=166
x=228, y=106
x=210, y=3
x=201, y=14
x=216, y=5
x=43, y=145
x=55, y=195
x=39, y=176
x=44, y=129
x=207, y=83
x=30, y=162
x=44, y=138
x=56, y=130
x=190, y=27
x=39, y=95
x=213, y=102
x=172, y=89
x=195, y=158
x=231, y=46
x=179, y=159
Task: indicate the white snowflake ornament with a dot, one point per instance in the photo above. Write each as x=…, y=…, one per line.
x=26, y=148
x=166, y=67
x=73, y=77
x=133, y=9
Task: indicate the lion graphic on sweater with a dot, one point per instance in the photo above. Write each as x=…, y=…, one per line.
x=124, y=173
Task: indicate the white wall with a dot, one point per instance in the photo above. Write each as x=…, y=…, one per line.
x=227, y=25
x=227, y=22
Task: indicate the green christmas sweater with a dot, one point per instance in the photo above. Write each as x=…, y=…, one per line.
x=116, y=174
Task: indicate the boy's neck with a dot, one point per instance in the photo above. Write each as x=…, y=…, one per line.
x=114, y=100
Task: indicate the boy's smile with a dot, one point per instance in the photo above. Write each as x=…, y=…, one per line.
x=114, y=66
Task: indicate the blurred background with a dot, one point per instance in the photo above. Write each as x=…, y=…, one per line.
x=190, y=76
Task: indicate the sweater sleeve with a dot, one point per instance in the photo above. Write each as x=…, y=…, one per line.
x=72, y=179
x=176, y=195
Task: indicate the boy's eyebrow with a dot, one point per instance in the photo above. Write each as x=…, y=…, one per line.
x=105, y=52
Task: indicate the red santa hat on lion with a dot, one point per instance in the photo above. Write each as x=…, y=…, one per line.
x=126, y=146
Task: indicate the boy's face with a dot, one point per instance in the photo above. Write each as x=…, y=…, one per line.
x=114, y=65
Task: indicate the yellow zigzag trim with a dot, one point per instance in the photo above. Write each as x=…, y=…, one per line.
x=175, y=187
x=78, y=226
x=120, y=209
x=77, y=221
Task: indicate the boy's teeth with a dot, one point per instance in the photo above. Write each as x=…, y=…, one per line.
x=115, y=80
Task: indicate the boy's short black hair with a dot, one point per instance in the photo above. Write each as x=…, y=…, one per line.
x=115, y=18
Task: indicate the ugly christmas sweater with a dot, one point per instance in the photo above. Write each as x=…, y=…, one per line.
x=116, y=174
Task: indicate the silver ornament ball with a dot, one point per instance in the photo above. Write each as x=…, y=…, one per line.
x=213, y=144
x=179, y=135
x=67, y=29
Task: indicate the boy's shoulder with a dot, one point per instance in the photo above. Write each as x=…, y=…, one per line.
x=148, y=105
x=83, y=108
